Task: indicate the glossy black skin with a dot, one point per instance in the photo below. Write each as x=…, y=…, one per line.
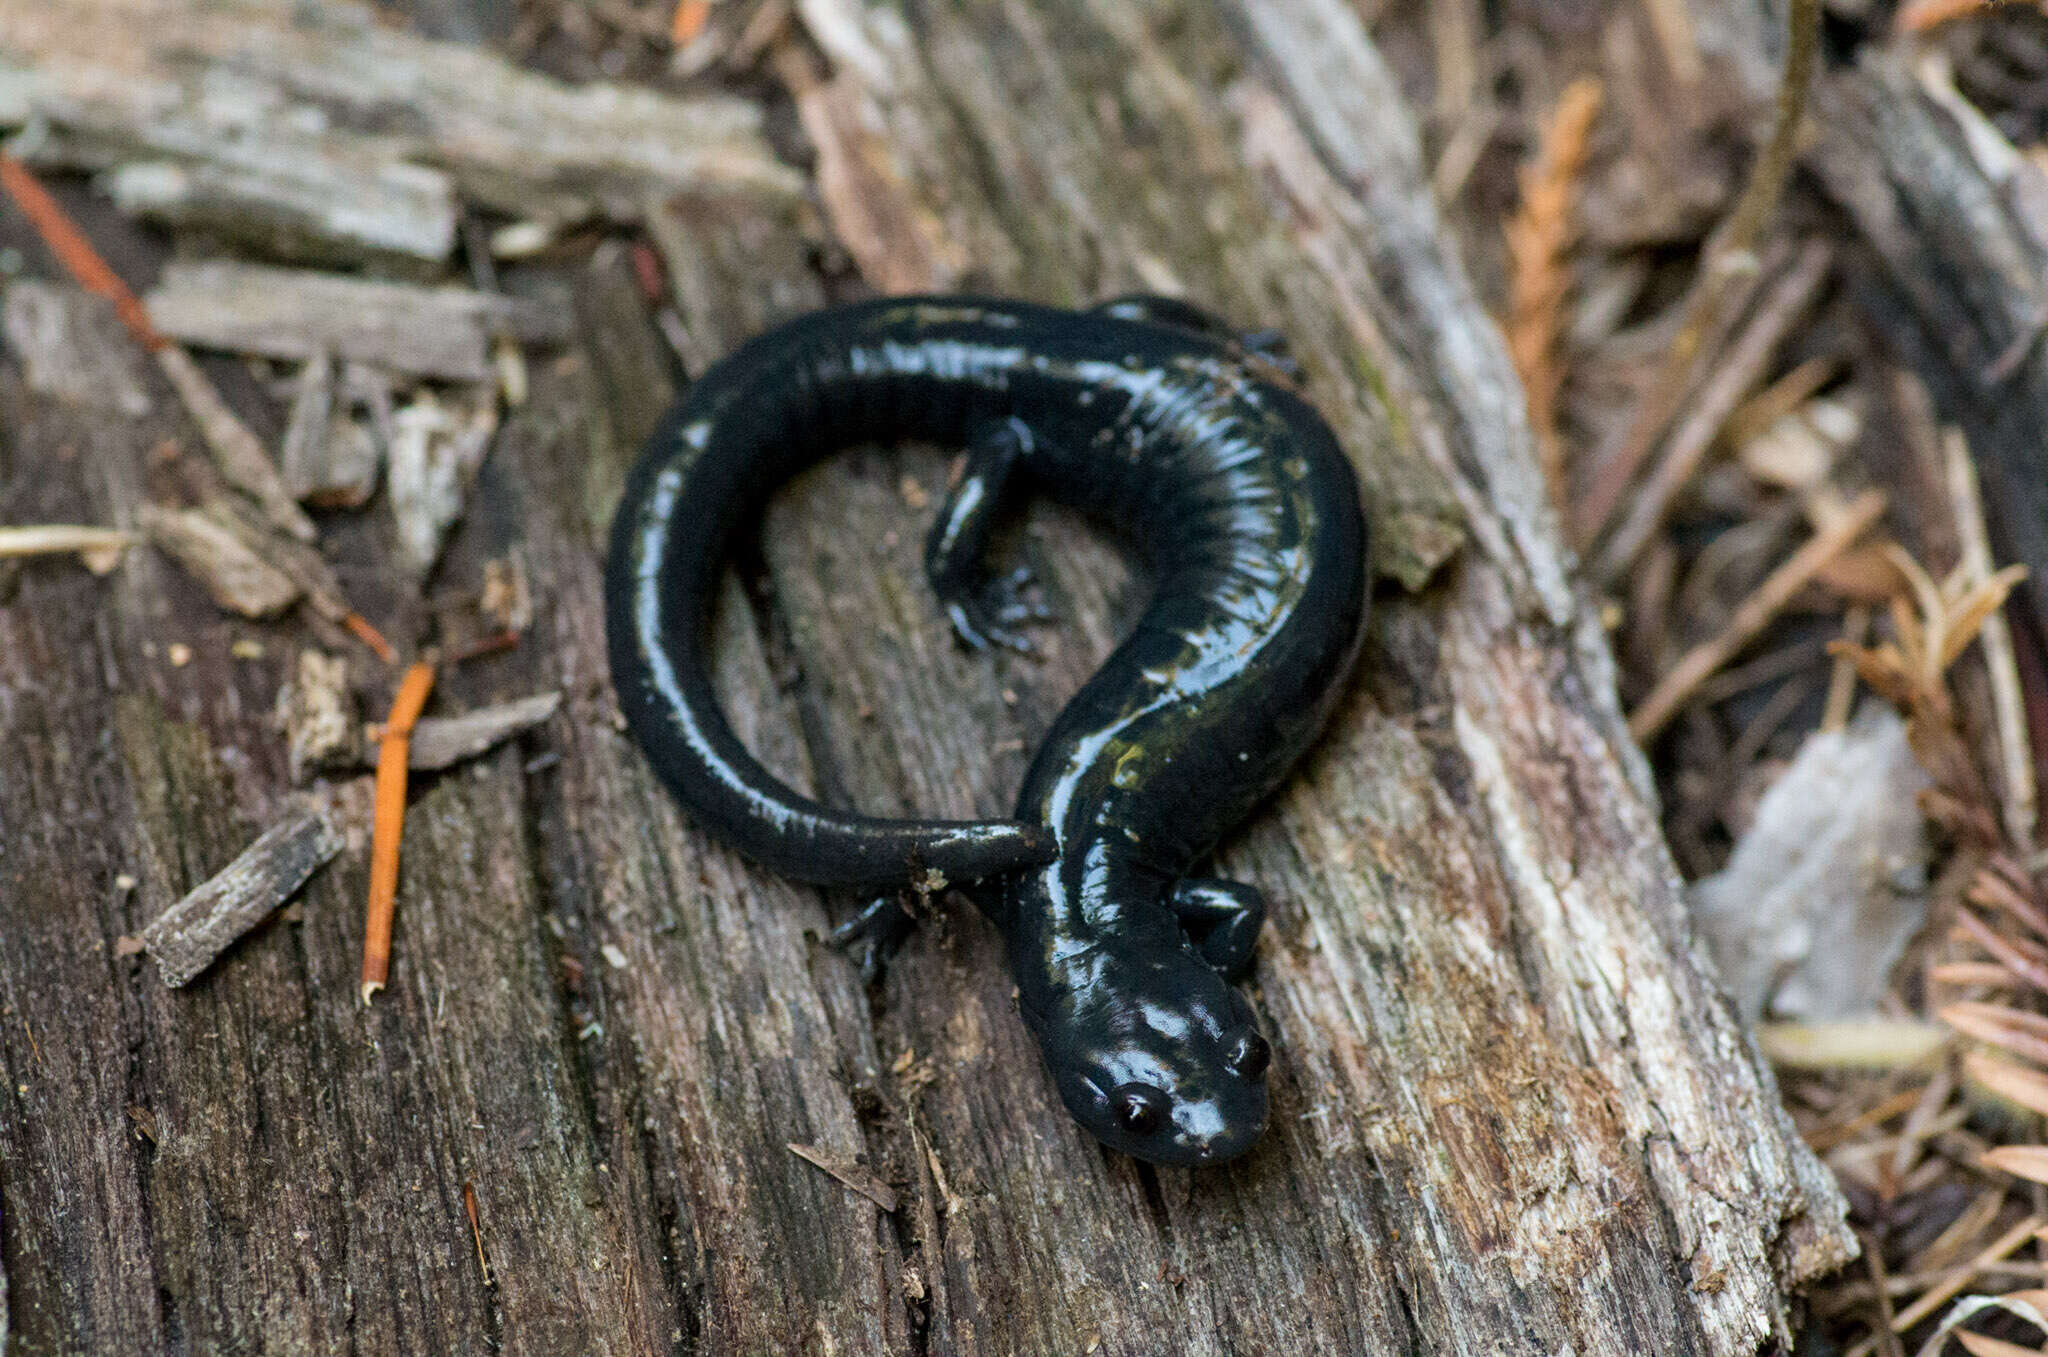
x=1147, y=414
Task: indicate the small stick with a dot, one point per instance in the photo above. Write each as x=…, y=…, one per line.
x=1697, y=664
x=393, y=750
x=1886, y=1312
x=1918, y=16
x=74, y=251
x=496, y=642
x=2008, y=709
x=99, y=548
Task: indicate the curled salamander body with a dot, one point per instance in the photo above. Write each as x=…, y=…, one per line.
x=1149, y=415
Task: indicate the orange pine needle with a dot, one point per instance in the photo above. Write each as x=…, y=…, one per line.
x=371, y=637
x=74, y=251
x=1539, y=238
x=689, y=21
x=392, y=751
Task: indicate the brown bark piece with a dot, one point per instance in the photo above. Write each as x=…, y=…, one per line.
x=186, y=938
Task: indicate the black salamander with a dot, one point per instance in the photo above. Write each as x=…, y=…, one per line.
x=1150, y=415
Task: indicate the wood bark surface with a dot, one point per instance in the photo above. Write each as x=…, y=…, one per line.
x=1511, y=1111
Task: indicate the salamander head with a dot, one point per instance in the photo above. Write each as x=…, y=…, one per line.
x=1161, y=1060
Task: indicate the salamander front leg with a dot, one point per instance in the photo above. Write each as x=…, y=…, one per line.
x=1222, y=918
x=983, y=611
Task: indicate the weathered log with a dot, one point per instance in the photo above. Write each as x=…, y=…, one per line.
x=1511, y=1112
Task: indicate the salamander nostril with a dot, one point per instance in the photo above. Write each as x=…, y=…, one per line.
x=1248, y=1056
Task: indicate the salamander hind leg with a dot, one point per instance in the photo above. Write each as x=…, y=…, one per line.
x=879, y=931
x=1222, y=918
x=984, y=611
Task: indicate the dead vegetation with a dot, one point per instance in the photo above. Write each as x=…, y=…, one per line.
x=1784, y=524
x=1881, y=913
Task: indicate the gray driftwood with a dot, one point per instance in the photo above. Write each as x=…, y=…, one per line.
x=1511, y=1112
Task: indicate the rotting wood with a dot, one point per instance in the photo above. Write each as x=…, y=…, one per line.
x=442, y=332
x=187, y=937
x=285, y=108
x=1511, y=1112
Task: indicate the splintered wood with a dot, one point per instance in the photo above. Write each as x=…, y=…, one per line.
x=442, y=332
x=246, y=121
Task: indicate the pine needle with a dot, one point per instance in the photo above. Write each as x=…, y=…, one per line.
x=393, y=751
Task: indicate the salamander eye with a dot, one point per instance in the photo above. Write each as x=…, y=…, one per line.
x=1248, y=1056
x=1140, y=1108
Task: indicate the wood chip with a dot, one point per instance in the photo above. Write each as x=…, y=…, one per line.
x=440, y=332
x=327, y=458
x=187, y=937
x=434, y=458
x=507, y=598
x=1825, y=889
x=849, y=1173
x=317, y=711
x=207, y=543
x=444, y=741
x=287, y=193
